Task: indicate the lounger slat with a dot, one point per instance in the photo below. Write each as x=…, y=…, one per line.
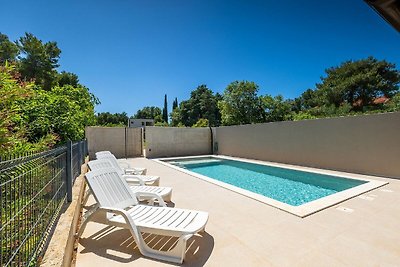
x=154, y=216
x=171, y=220
x=144, y=213
x=177, y=220
x=167, y=218
x=184, y=224
x=165, y=212
x=151, y=214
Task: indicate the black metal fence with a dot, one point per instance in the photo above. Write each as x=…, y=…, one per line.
x=33, y=189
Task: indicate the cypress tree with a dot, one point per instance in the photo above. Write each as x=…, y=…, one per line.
x=175, y=104
x=165, y=109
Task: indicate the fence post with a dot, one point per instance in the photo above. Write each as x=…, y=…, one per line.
x=69, y=171
x=82, y=151
x=79, y=156
x=86, y=147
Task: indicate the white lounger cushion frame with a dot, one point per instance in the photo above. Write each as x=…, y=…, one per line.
x=114, y=196
x=108, y=162
x=123, y=165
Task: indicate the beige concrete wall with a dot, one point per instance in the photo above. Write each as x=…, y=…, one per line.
x=121, y=141
x=368, y=144
x=173, y=141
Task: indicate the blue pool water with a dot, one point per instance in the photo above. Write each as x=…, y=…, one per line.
x=289, y=186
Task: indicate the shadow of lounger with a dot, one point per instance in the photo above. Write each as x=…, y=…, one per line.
x=118, y=245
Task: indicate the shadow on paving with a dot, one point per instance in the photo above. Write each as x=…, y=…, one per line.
x=118, y=245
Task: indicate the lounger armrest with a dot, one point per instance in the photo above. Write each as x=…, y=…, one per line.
x=124, y=165
x=161, y=202
x=134, y=171
x=122, y=212
x=133, y=179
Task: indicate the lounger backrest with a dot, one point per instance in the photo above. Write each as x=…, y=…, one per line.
x=113, y=161
x=99, y=153
x=104, y=155
x=109, y=189
x=104, y=163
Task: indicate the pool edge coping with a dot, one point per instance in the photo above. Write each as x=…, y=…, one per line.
x=301, y=211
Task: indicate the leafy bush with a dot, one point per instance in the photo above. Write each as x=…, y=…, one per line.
x=201, y=123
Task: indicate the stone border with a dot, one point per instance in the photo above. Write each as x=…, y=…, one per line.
x=60, y=250
x=303, y=210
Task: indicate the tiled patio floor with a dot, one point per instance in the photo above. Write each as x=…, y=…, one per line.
x=244, y=232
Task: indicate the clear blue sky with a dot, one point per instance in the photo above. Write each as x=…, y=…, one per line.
x=130, y=53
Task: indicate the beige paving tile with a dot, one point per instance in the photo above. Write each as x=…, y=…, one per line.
x=317, y=258
x=356, y=252
x=244, y=232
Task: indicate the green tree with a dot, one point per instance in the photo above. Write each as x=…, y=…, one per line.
x=64, y=111
x=393, y=104
x=240, y=104
x=202, y=104
x=276, y=108
x=176, y=117
x=8, y=50
x=175, y=104
x=201, y=123
x=11, y=91
x=307, y=100
x=149, y=113
x=109, y=119
x=32, y=118
x=303, y=115
x=65, y=78
x=38, y=61
x=165, y=110
x=14, y=131
x=358, y=83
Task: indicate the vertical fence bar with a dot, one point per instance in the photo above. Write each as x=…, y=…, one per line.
x=82, y=146
x=79, y=156
x=85, y=148
x=69, y=171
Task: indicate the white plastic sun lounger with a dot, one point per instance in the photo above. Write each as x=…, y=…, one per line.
x=130, y=178
x=136, y=182
x=103, y=152
x=117, y=206
x=124, y=166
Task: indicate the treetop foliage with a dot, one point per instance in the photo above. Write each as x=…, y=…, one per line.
x=202, y=104
x=358, y=83
x=362, y=86
x=38, y=61
x=39, y=107
x=175, y=104
x=108, y=119
x=353, y=87
x=65, y=78
x=149, y=113
x=240, y=104
x=8, y=50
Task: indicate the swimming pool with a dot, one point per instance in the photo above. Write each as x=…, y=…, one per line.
x=296, y=191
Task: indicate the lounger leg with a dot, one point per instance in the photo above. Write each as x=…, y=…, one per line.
x=85, y=219
x=86, y=196
x=176, y=255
